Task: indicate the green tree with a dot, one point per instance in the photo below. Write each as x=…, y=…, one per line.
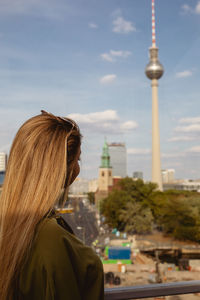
x=112, y=206
x=127, y=207
x=180, y=217
x=134, y=206
x=91, y=197
x=138, y=190
x=136, y=218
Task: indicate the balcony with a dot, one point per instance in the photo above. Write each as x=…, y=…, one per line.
x=153, y=290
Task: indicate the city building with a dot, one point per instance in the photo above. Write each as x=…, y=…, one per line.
x=168, y=175
x=2, y=175
x=138, y=175
x=93, y=185
x=118, y=159
x=183, y=185
x=79, y=186
x=3, y=161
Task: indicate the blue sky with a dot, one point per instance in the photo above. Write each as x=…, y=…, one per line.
x=86, y=59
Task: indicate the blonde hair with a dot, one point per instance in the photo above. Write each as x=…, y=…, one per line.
x=40, y=165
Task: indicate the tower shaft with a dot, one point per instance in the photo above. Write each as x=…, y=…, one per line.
x=156, y=163
x=154, y=71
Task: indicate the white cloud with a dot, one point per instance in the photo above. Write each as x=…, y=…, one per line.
x=197, y=8
x=116, y=13
x=184, y=74
x=106, y=121
x=18, y=6
x=195, y=149
x=102, y=116
x=181, y=138
x=107, y=57
x=138, y=151
x=113, y=54
x=128, y=125
x=189, y=128
x=166, y=165
x=191, y=125
x=120, y=53
x=93, y=25
x=192, y=120
x=120, y=25
x=188, y=9
x=37, y=8
x=107, y=79
x=50, y=9
x=173, y=155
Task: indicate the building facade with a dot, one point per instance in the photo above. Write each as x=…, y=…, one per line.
x=138, y=175
x=183, y=185
x=168, y=175
x=118, y=159
x=79, y=186
x=2, y=176
x=3, y=161
x=93, y=185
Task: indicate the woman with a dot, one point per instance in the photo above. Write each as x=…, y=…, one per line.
x=40, y=258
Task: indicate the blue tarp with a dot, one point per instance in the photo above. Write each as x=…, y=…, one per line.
x=119, y=253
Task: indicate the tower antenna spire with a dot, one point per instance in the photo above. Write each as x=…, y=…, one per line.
x=153, y=25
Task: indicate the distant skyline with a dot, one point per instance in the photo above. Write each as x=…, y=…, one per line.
x=86, y=59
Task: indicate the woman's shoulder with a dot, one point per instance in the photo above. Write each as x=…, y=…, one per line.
x=59, y=262
x=50, y=238
x=48, y=230
x=52, y=242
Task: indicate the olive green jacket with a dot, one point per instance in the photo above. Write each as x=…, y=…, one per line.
x=60, y=267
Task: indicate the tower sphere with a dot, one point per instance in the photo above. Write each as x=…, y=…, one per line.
x=154, y=70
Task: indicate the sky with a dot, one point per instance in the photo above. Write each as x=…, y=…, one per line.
x=86, y=59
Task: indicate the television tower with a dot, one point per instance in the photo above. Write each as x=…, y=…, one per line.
x=154, y=71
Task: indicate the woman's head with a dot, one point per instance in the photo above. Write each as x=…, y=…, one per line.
x=43, y=160
x=44, y=154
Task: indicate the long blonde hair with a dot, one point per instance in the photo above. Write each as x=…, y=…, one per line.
x=40, y=164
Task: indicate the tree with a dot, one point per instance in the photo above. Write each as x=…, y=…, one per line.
x=180, y=217
x=136, y=218
x=112, y=206
x=139, y=191
x=91, y=197
x=126, y=207
x=134, y=206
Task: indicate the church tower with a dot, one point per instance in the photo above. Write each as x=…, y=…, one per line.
x=105, y=170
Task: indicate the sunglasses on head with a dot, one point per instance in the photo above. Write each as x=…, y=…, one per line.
x=69, y=121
